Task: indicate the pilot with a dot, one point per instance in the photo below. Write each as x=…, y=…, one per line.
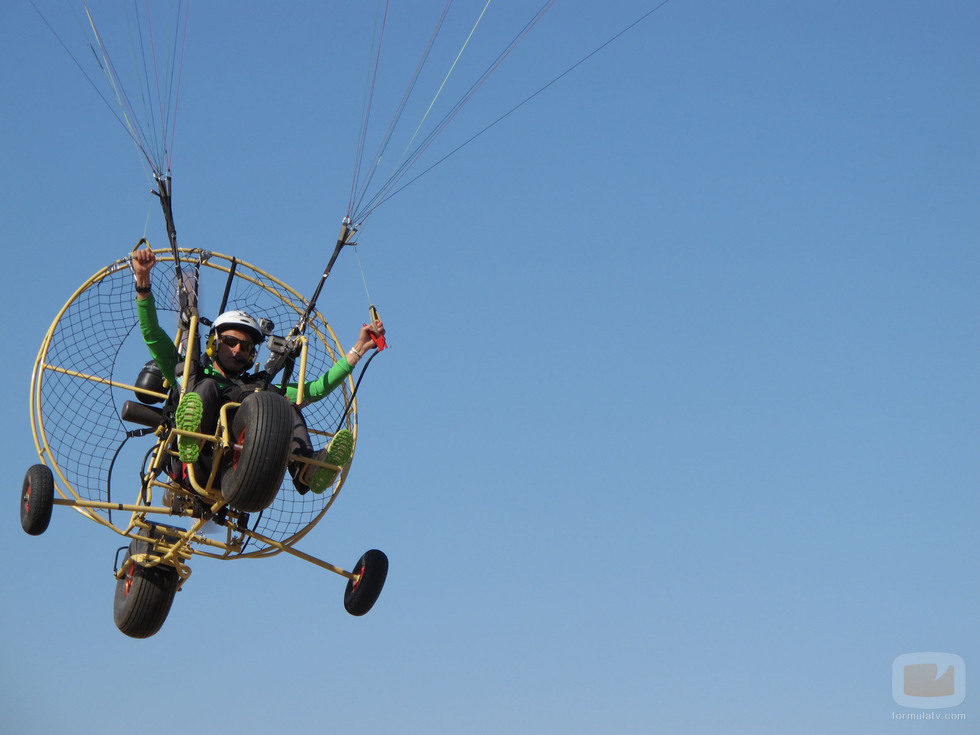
x=226, y=377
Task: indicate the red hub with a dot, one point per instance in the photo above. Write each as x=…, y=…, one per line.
x=130, y=576
x=356, y=582
x=237, y=453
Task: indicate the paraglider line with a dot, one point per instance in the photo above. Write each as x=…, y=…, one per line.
x=367, y=112
x=180, y=76
x=523, y=102
x=138, y=135
x=405, y=164
x=401, y=106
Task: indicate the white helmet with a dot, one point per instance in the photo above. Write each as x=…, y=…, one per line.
x=239, y=320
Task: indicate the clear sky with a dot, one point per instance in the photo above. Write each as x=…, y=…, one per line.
x=678, y=430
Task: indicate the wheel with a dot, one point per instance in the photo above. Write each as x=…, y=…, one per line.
x=37, y=499
x=143, y=595
x=360, y=595
x=262, y=428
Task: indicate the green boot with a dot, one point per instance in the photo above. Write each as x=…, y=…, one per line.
x=339, y=452
x=188, y=418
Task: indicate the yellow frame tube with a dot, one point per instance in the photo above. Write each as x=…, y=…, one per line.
x=189, y=357
x=69, y=497
x=301, y=378
x=102, y=505
x=103, y=381
x=302, y=555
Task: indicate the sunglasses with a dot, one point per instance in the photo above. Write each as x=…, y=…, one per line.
x=229, y=341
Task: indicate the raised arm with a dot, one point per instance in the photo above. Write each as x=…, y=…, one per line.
x=143, y=262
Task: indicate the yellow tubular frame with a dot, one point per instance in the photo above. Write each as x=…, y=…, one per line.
x=180, y=545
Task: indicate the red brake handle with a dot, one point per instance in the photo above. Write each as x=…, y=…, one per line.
x=378, y=339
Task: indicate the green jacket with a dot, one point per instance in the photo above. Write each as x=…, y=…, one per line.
x=165, y=354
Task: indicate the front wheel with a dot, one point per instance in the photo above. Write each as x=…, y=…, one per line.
x=143, y=594
x=262, y=431
x=37, y=499
x=362, y=592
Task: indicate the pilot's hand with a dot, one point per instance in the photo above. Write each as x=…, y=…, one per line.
x=143, y=261
x=365, y=340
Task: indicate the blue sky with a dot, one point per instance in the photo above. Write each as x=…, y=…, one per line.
x=678, y=428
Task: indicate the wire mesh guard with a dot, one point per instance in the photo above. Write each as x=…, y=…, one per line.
x=95, y=342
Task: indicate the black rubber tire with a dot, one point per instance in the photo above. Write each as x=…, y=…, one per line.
x=263, y=425
x=37, y=499
x=372, y=567
x=143, y=595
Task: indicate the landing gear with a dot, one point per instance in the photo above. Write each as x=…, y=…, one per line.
x=144, y=594
x=362, y=592
x=37, y=499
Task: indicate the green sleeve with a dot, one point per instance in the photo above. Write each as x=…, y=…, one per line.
x=314, y=390
x=160, y=343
